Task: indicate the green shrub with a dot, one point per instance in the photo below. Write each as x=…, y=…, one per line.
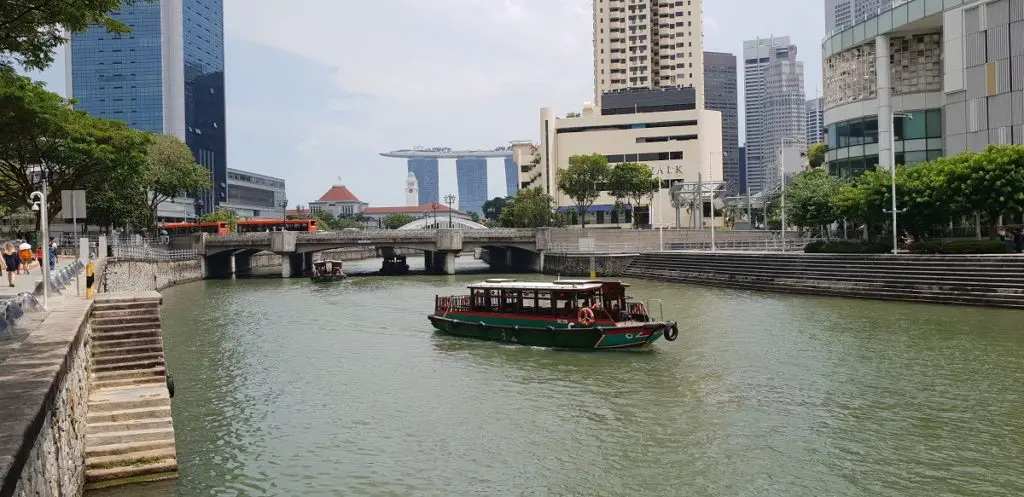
x=960, y=247
x=846, y=247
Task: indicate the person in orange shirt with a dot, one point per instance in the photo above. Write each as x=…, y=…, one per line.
x=39, y=257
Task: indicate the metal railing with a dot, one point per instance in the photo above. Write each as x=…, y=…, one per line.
x=599, y=248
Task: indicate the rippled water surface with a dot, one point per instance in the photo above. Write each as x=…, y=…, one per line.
x=289, y=388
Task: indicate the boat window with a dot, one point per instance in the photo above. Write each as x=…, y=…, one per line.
x=544, y=302
x=529, y=302
x=510, y=301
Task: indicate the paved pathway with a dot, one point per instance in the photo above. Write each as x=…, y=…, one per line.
x=28, y=282
x=11, y=339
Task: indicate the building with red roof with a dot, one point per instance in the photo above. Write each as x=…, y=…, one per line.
x=340, y=201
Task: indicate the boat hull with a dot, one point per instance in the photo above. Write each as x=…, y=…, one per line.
x=326, y=279
x=536, y=335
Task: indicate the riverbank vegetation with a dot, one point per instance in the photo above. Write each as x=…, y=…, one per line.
x=984, y=188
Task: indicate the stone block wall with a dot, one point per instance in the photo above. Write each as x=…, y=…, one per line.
x=142, y=275
x=580, y=265
x=44, y=407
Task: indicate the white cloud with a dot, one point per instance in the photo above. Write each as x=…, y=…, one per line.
x=459, y=73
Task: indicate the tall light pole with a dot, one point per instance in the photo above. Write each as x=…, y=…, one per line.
x=39, y=204
x=892, y=173
x=433, y=206
x=284, y=213
x=782, y=185
x=449, y=199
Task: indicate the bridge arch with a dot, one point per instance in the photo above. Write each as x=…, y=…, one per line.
x=425, y=223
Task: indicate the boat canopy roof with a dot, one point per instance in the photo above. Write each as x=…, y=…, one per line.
x=325, y=262
x=510, y=284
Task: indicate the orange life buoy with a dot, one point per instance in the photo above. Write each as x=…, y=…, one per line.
x=585, y=316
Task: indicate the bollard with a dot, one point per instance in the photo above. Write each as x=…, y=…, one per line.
x=89, y=279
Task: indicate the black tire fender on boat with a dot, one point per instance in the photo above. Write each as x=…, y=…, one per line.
x=170, y=383
x=671, y=332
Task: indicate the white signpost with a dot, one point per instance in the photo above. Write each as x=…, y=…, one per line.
x=72, y=206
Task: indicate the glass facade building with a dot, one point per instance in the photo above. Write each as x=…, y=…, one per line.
x=471, y=173
x=165, y=76
x=855, y=142
x=425, y=170
x=511, y=177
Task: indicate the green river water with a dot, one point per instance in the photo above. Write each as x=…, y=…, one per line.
x=289, y=388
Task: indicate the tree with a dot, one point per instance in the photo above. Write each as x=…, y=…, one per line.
x=865, y=200
x=41, y=135
x=171, y=171
x=492, y=208
x=811, y=199
x=570, y=115
x=991, y=182
x=816, y=155
x=31, y=31
x=222, y=215
x=395, y=221
x=582, y=181
x=117, y=196
x=632, y=182
x=530, y=208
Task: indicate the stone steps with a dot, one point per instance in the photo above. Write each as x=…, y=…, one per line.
x=130, y=433
x=991, y=281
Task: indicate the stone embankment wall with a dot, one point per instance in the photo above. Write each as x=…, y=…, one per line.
x=43, y=407
x=582, y=265
x=146, y=275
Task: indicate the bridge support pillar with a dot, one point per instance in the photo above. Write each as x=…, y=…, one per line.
x=292, y=265
x=447, y=262
x=428, y=261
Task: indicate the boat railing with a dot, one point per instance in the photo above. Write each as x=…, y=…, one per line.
x=638, y=310
x=661, y=309
x=454, y=303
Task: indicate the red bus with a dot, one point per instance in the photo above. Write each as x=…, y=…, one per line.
x=255, y=225
x=218, y=228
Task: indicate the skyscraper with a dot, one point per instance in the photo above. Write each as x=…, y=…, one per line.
x=841, y=14
x=784, y=114
x=165, y=76
x=756, y=56
x=647, y=44
x=471, y=173
x=720, y=94
x=511, y=177
x=425, y=171
x=815, y=109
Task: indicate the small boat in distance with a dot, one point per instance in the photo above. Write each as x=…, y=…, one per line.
x=324, y=271
x=571, y=314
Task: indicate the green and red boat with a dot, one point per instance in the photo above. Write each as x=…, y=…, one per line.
x=570, y=314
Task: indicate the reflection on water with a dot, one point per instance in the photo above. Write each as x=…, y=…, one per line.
x=290, y=388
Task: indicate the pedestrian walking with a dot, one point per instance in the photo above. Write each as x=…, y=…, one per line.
x=25, y=255
x=11, y=261
x=39, y=257
x=53, y=253
x=1018, y=240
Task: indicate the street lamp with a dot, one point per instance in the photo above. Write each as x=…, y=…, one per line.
x=782, y=189
x=284, y=213
x=449, y=199
x=198, y=207
x=433, y=207
x=892, y=173
x=39, y=204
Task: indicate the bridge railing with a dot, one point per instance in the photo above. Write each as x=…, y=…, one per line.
x=599, y=248
x=148, y=252
x=376, y=235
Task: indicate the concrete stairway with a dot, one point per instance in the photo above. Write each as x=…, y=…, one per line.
x=130, y=434
x=975, y=280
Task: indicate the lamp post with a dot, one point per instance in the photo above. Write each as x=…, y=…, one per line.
x=433, y=207
x=782, y=185
x=892, y=173
x=449, y=199
x=39, y=204
x=197, y=206
x=284, y=213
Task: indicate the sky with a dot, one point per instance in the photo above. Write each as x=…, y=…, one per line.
x=317, y=90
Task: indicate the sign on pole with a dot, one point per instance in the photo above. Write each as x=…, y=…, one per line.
x=72, y=206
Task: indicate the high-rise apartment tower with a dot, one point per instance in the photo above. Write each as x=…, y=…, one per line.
x=647, y=44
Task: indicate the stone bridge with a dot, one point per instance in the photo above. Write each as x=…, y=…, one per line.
x=224, y=255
